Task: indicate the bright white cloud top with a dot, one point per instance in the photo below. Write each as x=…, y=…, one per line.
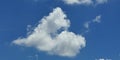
x=52, y=36
x=86, y=2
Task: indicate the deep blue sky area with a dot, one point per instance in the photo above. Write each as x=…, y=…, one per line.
x=102, y=41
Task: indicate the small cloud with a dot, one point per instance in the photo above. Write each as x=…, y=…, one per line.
x=97, y=19
x=103, y=59
x=52, y=36
x=34, y=57
x=85, y=2
x=78, y=2
x=86, y=24
x=101, y=1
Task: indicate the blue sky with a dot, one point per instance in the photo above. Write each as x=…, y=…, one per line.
x=102, y=39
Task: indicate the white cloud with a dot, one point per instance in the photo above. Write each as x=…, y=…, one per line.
x=103, y=59
x=86, y=2
x=87, y=24
x=97, y=19
x=78, y=1
x=101, y=1
x=52, y=36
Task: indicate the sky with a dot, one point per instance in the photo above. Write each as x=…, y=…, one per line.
x=59, y=30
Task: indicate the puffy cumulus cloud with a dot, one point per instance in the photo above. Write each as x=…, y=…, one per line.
x=52, y=36
x=86, y=2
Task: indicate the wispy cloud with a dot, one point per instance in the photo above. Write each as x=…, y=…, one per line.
x=101, y=1
x=85, y=2
x=97, y=19
x=103, y=59
x=87, y=24
x=78, y=1
x=52, y=36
